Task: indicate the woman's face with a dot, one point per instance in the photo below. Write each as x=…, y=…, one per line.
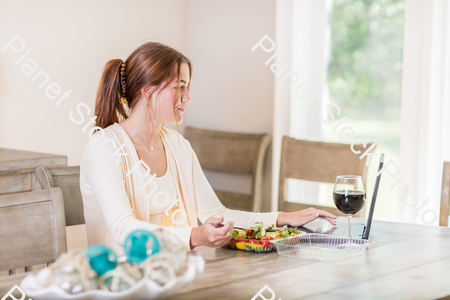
x=164, y=104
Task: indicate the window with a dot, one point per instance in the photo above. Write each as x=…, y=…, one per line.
x=363, y=77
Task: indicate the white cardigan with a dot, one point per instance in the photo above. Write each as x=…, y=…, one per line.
x=116, y=204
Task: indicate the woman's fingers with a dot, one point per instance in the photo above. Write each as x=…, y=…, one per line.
x=326, y=214
x=214, y=220
x=222, y=240
x=332, y=221
x=323, y=213
x=227, y=229
x=320, y=212
x=214, y=233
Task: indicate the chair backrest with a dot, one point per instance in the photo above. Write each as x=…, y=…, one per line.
x=320, y=162
x=236, y=153
x=68, y=179
x=445, y=195
x=33, y=230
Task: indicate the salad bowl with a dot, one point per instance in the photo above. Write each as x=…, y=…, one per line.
x=257, y=238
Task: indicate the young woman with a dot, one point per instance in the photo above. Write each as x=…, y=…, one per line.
x=136, y=174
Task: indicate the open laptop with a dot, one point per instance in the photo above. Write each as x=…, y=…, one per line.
x=359, y=228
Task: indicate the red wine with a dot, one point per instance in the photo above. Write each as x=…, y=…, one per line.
x=349, y=202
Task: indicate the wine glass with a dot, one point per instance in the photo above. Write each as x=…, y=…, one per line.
x=349, y=196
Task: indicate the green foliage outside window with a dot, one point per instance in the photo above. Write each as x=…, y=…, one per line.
x=364, y=74
x=364, y=79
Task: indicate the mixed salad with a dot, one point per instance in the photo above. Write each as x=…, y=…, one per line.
x=257, y=238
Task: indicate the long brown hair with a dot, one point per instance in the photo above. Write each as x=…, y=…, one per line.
x=151, y=65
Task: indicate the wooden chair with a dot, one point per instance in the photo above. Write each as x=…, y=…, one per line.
x=320, y=162
x=236, y=153
x=32, y=229
x=68, y=179
x=445, y=195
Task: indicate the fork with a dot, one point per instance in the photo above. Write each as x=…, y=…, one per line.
x=218, y=225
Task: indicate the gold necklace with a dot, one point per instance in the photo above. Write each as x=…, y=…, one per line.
x=153, y=145
x=153, y=148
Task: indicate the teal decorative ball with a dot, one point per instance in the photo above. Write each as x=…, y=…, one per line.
x=102, y=259
x=139, y=245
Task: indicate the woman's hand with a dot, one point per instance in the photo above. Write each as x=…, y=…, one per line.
x=304, y=216
x=211, y=236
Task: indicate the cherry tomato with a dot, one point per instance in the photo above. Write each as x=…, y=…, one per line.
x=267, y=244
x=241, y=239
x=255, y=241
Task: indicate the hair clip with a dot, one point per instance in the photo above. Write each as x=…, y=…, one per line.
x=122, y=83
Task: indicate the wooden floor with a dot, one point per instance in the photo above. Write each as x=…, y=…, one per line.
x=405, y=262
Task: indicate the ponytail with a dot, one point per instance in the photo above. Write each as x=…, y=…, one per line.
x=108, y=104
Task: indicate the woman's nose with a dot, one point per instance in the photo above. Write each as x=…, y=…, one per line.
x=185, y=98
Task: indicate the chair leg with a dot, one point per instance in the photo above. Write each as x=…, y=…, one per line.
x=12, y=272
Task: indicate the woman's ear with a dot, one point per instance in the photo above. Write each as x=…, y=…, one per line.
x=145, y=92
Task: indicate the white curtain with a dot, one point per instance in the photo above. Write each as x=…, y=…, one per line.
x=301, y=39
x=283, y=39
x=425, y=116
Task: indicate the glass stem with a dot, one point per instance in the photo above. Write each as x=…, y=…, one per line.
x=349, y=225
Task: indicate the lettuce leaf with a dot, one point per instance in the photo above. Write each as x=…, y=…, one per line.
x=247, y=247
x=285, y=232
x=293, y=230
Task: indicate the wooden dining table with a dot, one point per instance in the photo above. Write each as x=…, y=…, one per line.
x=405, y=261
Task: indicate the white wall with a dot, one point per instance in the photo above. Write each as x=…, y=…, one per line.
x=232, y=88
